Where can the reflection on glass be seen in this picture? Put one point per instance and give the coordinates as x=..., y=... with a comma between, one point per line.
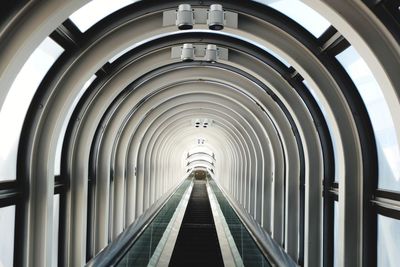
x=330, y=128
x=336, y=234
x=95, y=10
x=388, y=242
x=382, y=122
x=17, y=102
x=7, y=219
x=301, y=13
x=57, y=162
x=56, y=214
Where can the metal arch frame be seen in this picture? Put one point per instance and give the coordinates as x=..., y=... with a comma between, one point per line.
x=251, y=136
x=240, y=151
x=165, y=127
x=378, y=47
x=261, y=71
x=197, y=161
x=373, y=41
x=160, y=139
x=232, y=135
x=250, y=154
x=200, y=154
x=171, y=154
x=204, y=164
x=195, y=149
x=79, y=153
x=35, y=21
x=223, y=128
x=232, y=153
x=354, y=187
x=256, y=68
x=321, y=124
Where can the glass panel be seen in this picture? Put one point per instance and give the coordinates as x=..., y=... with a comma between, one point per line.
x=382, y=122
x=18, y=100
x=301, y=13
x=142, y=250
x=95, y=10
x=330, y=127
x=7, y=222
x=56, y=214
x=248, y=249
x=388, y=242
x=336, y=234
x=57, y=162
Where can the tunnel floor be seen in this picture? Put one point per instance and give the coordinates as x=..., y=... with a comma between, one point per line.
x=197, y=243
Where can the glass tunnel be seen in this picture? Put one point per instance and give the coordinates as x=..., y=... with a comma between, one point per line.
x=200, y=133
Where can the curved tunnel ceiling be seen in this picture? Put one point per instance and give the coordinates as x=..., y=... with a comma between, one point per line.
x=277, y=119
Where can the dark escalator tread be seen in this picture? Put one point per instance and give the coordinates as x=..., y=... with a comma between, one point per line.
x=197, y=243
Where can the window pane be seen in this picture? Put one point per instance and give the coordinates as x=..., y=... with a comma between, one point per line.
x=336, y=234
x=57, y=162
x=56, y=214
x=301, y=13
x=388, y=242
x=18, y=100
x=94, y=11
x=7, y=222
x=382, y=122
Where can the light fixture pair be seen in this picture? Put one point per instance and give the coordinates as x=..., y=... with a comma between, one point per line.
x=188, y=53
x=215, y=18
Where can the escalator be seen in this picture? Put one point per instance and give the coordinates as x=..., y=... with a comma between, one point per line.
x=197, y=243
x=183, y=233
